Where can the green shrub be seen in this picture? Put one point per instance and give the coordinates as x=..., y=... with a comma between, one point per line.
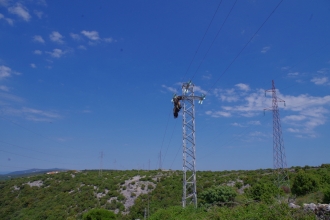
x=326, y=198
x=238, y=185
x=217, y=195
x=99, y=214
x=304, y=183
x=263, y=192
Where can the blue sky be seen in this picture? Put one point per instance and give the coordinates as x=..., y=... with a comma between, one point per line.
x=78, y=78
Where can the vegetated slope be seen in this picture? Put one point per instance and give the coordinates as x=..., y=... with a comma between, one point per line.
x=67, y=195
x=134, y=194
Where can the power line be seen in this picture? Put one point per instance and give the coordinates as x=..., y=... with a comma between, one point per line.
x=14, y=145
x=231, y=63
x=40, y=135
x=200, y=43
x=216, y=36
x=34, y=157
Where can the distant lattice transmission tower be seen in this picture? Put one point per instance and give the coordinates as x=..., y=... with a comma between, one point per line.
x=279, y=159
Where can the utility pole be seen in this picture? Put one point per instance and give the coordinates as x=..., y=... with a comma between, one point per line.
x=160, y=159
x=101, y=164
x=188, y=143
x=279, y=159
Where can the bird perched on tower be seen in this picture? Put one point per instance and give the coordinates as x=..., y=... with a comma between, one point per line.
x=177, y=105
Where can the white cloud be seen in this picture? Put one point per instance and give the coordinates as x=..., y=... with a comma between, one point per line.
x=33, y=65
x=217, y=114
x=9, y=21
x=319, y=80
x=57, y=53
x=9, y=97
x=293, y=74
x=306, y=112
x=265, y=49
x=243, y=87
x=323, y=71
x=254, y=123
x=39, y=52
x=39, y=14
x=82, y=47
x=228, y=95
x=6, y=72
x=92, y=35
x=207, y=76
x=33, y=114
x=294, y=130
x=75, y=36
x=4, y=2
x=108, y=40
x=38, y=38
x=171, y=89
x=20, y=11
x=55, y=36
x=237, y=124
x=198, y=89
x=4, y=88
x=294, y=118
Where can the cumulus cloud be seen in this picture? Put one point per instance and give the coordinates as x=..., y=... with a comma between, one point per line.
x=39, y=52
x=21, y=11
x=33, y=65
x=38, y=38
x=254, y=123
x=82, y=47
x=108, y=40
x=4, y=88
x=207, y=76
x=198, y=89
x=92, y=35
x=4, y=2
x=320, y=80
x=228, y=95
x=6, y=72
x=171, y=89
x=55, y=36
x=33, y=114
x=237, y=124
x=293, y=74
x=294, y=118
x=305, y=112
x=265, y=49
x=243, y=87
x=217, y=114
x=57, y=53
x=323, y=71
x=39, y=14
x=9, y=21
x=75, y=36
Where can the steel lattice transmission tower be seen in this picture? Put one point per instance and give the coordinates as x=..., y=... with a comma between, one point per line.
x=279, y=159
x=188, y=143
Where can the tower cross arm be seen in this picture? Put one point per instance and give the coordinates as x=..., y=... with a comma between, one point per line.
x=199, y=98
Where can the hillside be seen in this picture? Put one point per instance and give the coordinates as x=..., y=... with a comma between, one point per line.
x=131, y=194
